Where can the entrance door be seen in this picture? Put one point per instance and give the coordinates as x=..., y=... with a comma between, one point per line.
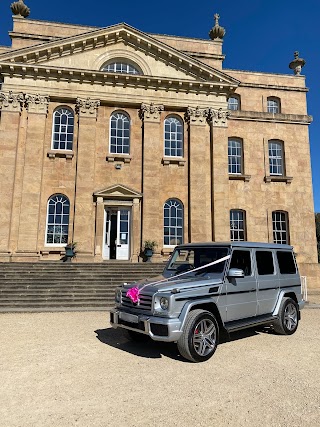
x=117, y=234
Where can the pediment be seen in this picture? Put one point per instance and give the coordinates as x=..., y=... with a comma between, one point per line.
x=86, y=53
x=118, y=191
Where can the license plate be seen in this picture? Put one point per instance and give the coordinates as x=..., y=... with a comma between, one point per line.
x=128, y=317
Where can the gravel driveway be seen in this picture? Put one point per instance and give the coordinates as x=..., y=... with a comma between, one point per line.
x=72, y=369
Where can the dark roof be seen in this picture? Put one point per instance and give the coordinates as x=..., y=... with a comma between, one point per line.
x=238, y=244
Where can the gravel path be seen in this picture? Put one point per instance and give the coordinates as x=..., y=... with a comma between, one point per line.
x=71, y=369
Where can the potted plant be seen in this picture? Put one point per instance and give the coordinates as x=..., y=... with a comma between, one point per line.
x=148, y=249
x=70, y=251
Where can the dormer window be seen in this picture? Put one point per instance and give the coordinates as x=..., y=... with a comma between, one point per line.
x=121, y=67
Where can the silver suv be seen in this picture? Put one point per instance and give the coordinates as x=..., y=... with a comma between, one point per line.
x=208, y=288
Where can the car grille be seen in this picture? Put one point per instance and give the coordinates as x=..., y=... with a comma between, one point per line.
x=145, y=303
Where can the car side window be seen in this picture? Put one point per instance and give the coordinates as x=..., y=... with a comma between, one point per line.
x=264, y=262
x=242, y=260
x=286, y=262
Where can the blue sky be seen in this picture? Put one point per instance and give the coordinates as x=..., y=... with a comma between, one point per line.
x=261, y=35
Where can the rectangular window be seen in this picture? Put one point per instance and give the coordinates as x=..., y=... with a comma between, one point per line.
x=242, y=260
x=264, y=261
x=276, y=158
x=280, y=227
x=237, y=225
x=235, y=156
x=286, y=262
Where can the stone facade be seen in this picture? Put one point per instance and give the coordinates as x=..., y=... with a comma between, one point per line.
x=52, y=66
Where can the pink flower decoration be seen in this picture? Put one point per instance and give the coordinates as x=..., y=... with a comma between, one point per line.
x=133, y=294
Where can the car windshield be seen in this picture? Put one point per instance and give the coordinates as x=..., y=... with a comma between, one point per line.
x=187, y=259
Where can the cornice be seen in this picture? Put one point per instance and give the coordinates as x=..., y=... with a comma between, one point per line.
x=106, y=36
x=274, y=87
x=77, y=75
x=270, y=117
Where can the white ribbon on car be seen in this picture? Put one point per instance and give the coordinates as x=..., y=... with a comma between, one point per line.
x=133, y=293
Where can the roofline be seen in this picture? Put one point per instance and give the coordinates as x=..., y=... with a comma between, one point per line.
x=243, y=244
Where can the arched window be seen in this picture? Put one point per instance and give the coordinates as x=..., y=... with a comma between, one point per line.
x=120, y=133
x=58, y=220
x=173, y=222
x=273, y=104
x=62, y=129
x=173, y=137
x=238, y=225
x=234, y=103
x=235, y=156
x=276, y=157
x=120, y=66
x=280, y=227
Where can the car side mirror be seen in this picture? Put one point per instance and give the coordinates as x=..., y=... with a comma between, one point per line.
x=235, y=273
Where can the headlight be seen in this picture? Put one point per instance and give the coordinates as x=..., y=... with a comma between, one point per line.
x=164, y=303
x=118, y=295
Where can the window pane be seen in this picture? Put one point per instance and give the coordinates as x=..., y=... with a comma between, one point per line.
x=173, y=222
x=173, y=137
x=58, y=214
x=242, y=260
x=264, y=262
x=286, y=262
x=237, y=226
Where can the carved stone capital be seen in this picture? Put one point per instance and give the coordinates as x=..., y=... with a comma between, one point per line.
x=37, y=103
x=218, y=117
x=11, y=101
x=87, y=107
x=151, y=112
x=196, y=116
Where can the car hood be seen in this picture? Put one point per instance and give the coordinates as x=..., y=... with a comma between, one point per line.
x=152, y=284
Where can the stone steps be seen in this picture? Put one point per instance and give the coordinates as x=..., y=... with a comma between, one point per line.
x=75, y=286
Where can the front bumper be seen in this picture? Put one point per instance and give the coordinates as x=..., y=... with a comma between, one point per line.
x=158, y=328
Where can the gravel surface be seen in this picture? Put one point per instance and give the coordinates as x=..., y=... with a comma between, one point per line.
x=72, y=369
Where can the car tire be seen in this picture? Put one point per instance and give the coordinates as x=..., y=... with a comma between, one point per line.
x=200, y=336
x=137, y=337
x=288, y=320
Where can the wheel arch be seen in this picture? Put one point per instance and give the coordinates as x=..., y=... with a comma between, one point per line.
x=203, y=305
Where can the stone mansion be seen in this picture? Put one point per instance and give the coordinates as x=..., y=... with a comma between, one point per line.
x=113, y=136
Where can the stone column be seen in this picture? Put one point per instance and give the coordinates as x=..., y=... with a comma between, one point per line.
x=200, y=224
x=37, y=108
x=220, y=176
x=10, y=107
x=84, y=223
x=99, y=228
x=152, y=153
x=136, y=230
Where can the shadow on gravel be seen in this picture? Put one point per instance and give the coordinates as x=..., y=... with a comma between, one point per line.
x=119, y=339
x=149, y=349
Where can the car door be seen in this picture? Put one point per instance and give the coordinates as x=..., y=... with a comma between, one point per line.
x=241, y=292
x=268, y=281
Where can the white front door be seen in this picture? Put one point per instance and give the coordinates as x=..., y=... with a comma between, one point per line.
x=116, y=242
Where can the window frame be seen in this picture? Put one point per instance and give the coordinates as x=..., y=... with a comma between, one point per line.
x=122, y=137
x=121, y=63
x=54, y=223
x=238, y=230
x=54, y=132
x=240, y=157
x=234, y=104
x=281, y=230
x=271, y=108
x=171, y=140
x=274, y=163
x=177, y=227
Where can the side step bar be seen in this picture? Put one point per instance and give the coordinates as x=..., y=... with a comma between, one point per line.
x=237, y=325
